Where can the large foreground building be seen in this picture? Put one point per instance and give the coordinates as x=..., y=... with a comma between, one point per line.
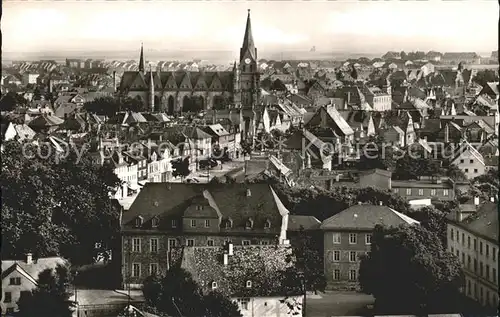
x=181, y=91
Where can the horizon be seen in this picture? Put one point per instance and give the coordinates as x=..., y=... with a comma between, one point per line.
x=95, y=26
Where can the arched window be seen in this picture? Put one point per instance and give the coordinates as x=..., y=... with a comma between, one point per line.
x=138, y=221
x=249, y=284
x=267, y=224
x=229, y=223
x=214, y=285
x=155, y=222
x=249, y=224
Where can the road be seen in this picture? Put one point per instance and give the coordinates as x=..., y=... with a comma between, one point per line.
x=337, y=304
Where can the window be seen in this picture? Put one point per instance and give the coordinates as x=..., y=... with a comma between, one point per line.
x=452, y=234
x=475, y=170
x=352, y=275
x=471, y=161
x=174, y=223
x=15, y=281
x=155, y=222
x=420, y=192
x=136, y=245
x=172, y=243
x=368, y=239
x=246, y=242
x=190, y=242
x=396, y=190
x=494, y=273
x=214, y=285
x=468, y=261
x=433, y=192
x=468, y=287
x=467, y=170
x=10, y=310
x=494, y=254
x=475, y=266
x=336, y=238
x=336, y=256
x=7, y=297
x=463, y=238
x=207, y=223
x=138, y=221
x=481, y=269
x=468, y=242
x=353, y=238
x=153, y=268
x=480, y=247
x=463, y=258
x=229, y=223
x=193, y=223
x=136, y=269
x=249, y=284
x=210, y=243
x=445, y=192
x=352, y=256
x=154, y=245
x=458, y=253
x=475, y=245
x=487, y=250
x=408, y=191
x=264, y=242
x=336, y=274
x=244, y=303
x=487, y=272
x=267, y=224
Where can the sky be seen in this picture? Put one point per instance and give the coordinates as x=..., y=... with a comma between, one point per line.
x=345, y=26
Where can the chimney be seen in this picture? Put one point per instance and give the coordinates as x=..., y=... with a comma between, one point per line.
x=492, y=199
x=249, y=192
x=380, y=203
x=337, y=178
x=348, y=97
x=29, y=258
x=226, y=258
x=360, y=203
x=114, y=81
x=476, y=201
x=230, y=248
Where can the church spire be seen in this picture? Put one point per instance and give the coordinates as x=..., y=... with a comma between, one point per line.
x=248, y=44
x=151, y=90
x=141, y=60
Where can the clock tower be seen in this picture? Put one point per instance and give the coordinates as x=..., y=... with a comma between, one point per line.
x=249, y=72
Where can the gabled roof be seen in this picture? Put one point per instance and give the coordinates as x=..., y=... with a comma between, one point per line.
x=366, y=217
x=298, y=222
x=171, y=200
x=216, y=129
x=467, y=147
x=339, y=120
x=484, y=222
x=45, y=120
x=31, y=271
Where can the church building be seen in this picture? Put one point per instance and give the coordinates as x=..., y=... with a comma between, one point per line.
x=183, y=91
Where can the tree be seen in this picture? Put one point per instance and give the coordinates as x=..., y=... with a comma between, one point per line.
x=455, y=173
x=433, y=220
x=107, y=106
x=246, y=146
x=379, y=155
x=178, y=294
x=11, y=101
x=50, y=205
x=403, y=55
x=485, y=76
x=309, y=261
x=50, y=297
x=180, y=168
x=414, y=164
x=409, y=271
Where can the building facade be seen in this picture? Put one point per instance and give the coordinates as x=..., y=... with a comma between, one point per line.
x=347, y=237
x=196, y=215
x=184, y=91
x=474, y=240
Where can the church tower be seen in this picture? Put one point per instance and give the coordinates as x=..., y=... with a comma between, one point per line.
x=249, y=75
x=141, y=60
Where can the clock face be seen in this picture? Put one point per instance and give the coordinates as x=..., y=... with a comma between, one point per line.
x=247, y=61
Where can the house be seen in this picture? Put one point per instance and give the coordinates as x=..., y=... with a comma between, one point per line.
x=394, y=135
x=328, y=117
x=132, y=158
x=19, y=276
x=250, y=275
x=474, y=241
x=13, y=131
x=226, y=143
x=347, y=237
x=378, y=99
x=166, y=215
x=455, y=58
x=441, y=189
x=469, y=160
x=45, y=123
x=490, y=89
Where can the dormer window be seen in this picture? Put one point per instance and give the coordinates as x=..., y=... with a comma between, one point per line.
x=138, y=221
x=229, y=223
x=267, y=224
x=249, y=224
x=199, y=207
x=155, y=222
x=214, y=285
x=249, y=284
